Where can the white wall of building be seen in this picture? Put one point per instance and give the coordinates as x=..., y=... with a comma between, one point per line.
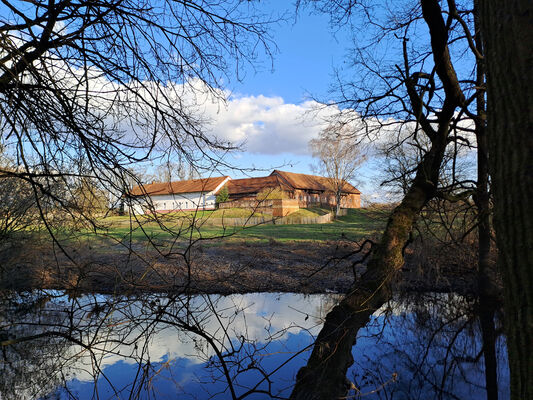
x=184, y=201
x=180, y=201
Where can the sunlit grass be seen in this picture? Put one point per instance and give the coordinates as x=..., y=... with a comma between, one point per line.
x=356, y=225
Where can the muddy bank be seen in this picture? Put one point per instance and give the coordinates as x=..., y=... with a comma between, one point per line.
x=231, y=268
x=303, y=267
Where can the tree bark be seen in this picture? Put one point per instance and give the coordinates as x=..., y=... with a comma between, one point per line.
x=507, y=35
x=486, y=287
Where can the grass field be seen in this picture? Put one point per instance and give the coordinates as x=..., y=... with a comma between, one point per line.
x=358, y=224
x=221, y=213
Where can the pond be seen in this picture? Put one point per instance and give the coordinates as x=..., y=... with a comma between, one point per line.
x=418, y=346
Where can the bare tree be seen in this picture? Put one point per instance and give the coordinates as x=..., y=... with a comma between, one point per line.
x=426, y=100
x=169, y=171
x=113, y=83
x=339, y=157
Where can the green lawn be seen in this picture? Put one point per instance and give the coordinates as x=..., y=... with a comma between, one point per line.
x=309, y=212
x=356, y=225
x=186, y=215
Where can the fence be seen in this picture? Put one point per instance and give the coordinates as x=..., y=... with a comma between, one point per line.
x=322, y=219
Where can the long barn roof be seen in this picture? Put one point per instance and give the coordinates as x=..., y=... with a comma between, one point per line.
x=311, y=182
x=277, y=179
x=189, y=186
x=255, y=185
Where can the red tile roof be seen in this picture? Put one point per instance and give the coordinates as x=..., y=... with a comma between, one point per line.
x=189, y=186
x=310, y=182
x=255, y=185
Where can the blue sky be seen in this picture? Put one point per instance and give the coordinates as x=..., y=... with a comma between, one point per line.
x=307, y=52
x=273, y=99
x=302, y=68
x=269, y=111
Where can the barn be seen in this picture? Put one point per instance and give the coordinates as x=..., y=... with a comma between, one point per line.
x=292, y=189
x=189, y=195
x=307, y=190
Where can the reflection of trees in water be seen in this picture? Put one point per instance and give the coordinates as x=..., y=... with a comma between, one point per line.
x=32, y=368
x=424, y=346
x=421, y=346
x=49, y=339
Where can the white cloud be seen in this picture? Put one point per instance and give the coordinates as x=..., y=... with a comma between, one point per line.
x=253, y=316
x=266, y=125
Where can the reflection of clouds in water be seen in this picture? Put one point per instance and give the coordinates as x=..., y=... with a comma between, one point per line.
x=428, y=340
x=435, y=303
x=257, y=317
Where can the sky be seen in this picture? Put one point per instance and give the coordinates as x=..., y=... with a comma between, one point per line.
x=271, y=109
x=272, y=112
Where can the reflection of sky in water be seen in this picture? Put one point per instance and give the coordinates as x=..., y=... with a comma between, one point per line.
x=434, y=349
x=180, y=361
x=431, y=345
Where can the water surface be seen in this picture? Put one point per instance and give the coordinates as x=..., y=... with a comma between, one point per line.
x=247, y=346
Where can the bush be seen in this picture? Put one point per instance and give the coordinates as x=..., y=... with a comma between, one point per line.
x=223, y=195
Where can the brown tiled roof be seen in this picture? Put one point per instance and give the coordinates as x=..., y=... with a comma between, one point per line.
x=189, y=186
x=310, y=182
x=255, y=185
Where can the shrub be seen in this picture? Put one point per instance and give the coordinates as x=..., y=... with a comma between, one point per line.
x=223, y=195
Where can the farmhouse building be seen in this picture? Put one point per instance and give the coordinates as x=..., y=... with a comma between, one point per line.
x=249, y=188
x=307, y=190
x=193, y=194
x=287, y=191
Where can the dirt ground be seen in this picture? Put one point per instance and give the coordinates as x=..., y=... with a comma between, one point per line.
x=231, y=268
x=303, y=267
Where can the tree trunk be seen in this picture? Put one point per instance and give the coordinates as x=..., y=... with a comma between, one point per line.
x=508, y=34
x=486, y=287
x=338, y=204
x=324, y=376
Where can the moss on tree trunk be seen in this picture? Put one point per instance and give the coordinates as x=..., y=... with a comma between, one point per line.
x=324, y=376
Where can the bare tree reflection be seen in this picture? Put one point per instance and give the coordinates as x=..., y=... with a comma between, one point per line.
x=424, y=346
x=50, y=341
x=152, y=346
